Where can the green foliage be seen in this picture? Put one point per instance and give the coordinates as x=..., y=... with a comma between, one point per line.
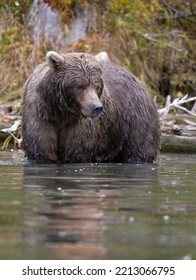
x=18, y=8
x=156, y=41
x=134, y=12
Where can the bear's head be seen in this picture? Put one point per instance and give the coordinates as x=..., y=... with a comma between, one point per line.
x=74, y=83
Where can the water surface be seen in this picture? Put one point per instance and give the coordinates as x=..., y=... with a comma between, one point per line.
x=98, y=211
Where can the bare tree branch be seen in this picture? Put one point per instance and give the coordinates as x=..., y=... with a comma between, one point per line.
x=176, y=104
x=11, y=130
x=150, y=38
x=178, y=14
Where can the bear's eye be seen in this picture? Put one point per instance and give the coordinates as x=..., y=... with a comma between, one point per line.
x=81, y=87
x=99, y=88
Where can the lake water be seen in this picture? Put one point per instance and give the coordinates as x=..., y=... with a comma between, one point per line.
x=98, y=211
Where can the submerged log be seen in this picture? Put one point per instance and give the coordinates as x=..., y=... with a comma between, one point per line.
x=178, y=144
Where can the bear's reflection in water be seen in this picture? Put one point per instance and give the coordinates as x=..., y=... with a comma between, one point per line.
x=68, y=208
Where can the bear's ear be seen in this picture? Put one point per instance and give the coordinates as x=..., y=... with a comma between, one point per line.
x=102, y=57
x=54, y=59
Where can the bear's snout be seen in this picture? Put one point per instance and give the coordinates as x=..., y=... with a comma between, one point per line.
x=93, y=109
x=96, y=109
x=91, y=105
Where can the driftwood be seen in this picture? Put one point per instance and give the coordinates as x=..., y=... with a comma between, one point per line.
x=178, y=131
x=177, y=104
x=14, y=133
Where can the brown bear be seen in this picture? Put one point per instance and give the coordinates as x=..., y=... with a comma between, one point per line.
x=79, y=107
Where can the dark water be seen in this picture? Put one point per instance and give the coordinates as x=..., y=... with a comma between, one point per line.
x=98, y=211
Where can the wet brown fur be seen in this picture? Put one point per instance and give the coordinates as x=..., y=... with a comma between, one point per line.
x=57, y=122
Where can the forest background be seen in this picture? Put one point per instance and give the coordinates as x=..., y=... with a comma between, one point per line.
x=154, y=39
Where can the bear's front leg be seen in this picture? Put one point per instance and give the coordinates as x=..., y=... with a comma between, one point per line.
x=40, y=141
